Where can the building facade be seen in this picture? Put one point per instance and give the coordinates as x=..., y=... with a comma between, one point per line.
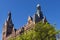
x=10, y=31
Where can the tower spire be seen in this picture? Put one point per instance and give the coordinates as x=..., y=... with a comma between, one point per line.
x=38, y=7
x=8, y=27
x=38, y=10
x=9, y=19
x=38, y=16
x=9, y=16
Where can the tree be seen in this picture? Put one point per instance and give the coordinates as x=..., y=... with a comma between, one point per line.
x=41, y=31
x=45, y=31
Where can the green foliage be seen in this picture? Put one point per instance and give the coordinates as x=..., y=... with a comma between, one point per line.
x=41, y=31
x=45, y=31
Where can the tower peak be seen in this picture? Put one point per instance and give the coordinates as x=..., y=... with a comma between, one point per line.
x=9, y=19
x=38, y=15
x=38, y=10
x=38, y=7
x=9, y=16
x=9, y=13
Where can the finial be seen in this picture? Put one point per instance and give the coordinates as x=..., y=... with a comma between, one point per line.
x=38, y=7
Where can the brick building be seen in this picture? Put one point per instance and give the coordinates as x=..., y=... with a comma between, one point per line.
x=10, y=31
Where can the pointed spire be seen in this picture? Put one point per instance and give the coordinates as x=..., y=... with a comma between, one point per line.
x=38, y=7
x=38, y=10
x=29, y=18
x=44, y=19
x=9, y=13
x=9, y=19
x=38, y=16
x=9, y=16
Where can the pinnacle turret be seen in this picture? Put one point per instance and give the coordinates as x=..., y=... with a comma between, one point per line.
x=30, y=19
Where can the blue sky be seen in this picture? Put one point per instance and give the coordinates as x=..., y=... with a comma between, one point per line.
x=21, y=9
